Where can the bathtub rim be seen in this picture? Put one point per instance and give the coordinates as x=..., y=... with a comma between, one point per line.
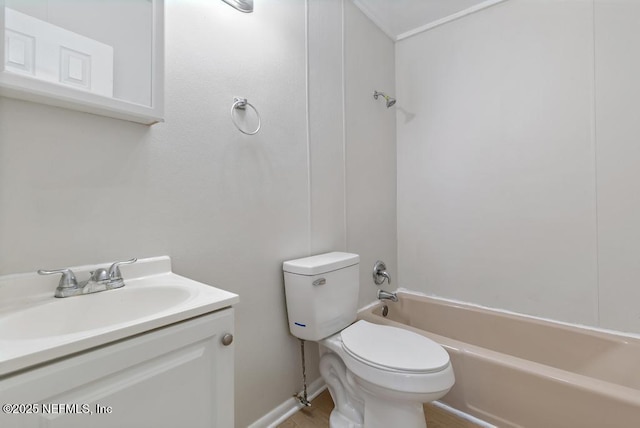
x=470, y=305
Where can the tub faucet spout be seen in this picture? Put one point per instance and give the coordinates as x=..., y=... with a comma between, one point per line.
x=386, y=295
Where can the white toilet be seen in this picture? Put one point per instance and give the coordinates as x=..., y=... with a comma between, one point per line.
x=378, y=375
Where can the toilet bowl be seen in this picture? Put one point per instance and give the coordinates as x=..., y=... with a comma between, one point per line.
x=378, y=376
x=387, y=374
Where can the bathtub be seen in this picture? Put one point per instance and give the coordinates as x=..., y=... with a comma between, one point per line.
x=518, y=371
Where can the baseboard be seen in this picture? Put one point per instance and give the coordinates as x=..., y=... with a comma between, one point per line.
x=288, y=408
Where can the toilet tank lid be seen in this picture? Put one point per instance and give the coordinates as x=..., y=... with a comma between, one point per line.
x=321, y=263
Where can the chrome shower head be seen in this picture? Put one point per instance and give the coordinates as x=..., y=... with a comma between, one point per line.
x=245, y=6
x=390, y=101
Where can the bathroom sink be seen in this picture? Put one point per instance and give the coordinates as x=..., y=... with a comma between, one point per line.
x=59, y=317
x=36, y=327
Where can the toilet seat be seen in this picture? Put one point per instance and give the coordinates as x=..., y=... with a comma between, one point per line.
x=393, y=359
x=393, y=349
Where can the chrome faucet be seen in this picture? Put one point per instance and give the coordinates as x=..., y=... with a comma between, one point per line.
x=380, y=273
x=386, y=295
x=101, y=279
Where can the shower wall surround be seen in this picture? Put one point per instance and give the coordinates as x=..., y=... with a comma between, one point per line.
x=370, y=149
x=228, y=208
x=517, y=160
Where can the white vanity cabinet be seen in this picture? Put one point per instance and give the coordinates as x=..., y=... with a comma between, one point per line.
x=178, y=376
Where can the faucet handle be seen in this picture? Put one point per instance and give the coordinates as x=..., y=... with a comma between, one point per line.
x=114, y=269
x=380, y=273
x=99, y=275
x=68, y=279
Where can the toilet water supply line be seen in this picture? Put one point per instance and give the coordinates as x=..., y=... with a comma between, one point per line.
x=302, y=397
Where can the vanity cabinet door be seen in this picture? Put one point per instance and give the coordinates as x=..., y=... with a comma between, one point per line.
x=177, y=376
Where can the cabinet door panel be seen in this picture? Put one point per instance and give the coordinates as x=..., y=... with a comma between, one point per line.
x=178, y=376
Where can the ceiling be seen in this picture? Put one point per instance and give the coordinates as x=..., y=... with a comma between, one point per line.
x=402, y=18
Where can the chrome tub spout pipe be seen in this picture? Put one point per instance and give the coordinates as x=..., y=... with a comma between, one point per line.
x=386, y=295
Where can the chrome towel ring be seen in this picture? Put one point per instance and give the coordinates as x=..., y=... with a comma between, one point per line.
x=241, y=104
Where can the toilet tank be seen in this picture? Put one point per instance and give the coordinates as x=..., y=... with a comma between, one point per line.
x=322, y=293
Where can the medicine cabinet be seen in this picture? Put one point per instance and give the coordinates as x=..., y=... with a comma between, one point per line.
x=95, y=56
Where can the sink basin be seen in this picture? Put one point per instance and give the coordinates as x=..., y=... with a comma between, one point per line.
x=59, y=317
x=36, y=327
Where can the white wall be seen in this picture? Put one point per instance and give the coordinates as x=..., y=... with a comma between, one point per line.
x=352, y=138
x=496, y=170
x=618, y=156
x=351, y=141
x=326, y=125
x=517, y=160
x=327, y=225
x=370, y=150
x=228, y=208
